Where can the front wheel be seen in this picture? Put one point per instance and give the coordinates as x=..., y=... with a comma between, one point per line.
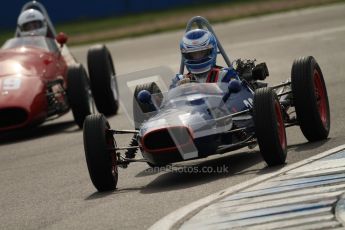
x=156, y=165
x=99, y=146
x=269, y=127
x=310, y=98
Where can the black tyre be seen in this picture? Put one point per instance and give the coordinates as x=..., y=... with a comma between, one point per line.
x=140, y=110
x=269, y=127
x=156, y=165
x=103, y=80
x=310, y=98
x=78, y=91
x=100, y=155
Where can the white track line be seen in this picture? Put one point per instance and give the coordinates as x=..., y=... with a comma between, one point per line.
x=176, y=218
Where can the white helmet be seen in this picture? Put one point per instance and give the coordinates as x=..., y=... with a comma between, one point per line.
x=32, y=23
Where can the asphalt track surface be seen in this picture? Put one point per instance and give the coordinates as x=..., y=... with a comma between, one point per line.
x=44, y=181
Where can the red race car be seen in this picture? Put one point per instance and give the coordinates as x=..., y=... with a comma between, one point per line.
x=40, y=79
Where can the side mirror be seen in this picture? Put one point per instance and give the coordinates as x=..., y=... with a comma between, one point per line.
x=234, y=86
x=144, y=97
x=61, y=38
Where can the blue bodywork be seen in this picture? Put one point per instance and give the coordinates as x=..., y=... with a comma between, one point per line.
x=199, y=108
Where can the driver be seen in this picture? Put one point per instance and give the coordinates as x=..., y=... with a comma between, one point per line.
x=199, y=53
x=32, y=23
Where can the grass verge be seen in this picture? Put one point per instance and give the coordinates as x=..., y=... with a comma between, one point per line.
x=84, y=32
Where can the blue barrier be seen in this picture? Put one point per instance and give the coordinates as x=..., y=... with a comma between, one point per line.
x=70, y=10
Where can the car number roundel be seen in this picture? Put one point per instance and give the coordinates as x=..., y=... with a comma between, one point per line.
x=11, y=83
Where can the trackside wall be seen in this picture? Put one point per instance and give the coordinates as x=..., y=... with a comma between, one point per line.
x=70, y=10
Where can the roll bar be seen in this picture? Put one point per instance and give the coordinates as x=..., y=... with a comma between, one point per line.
x=202, y=23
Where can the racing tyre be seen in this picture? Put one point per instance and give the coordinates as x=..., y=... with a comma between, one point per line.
x=100, y=155
x=269, y=126
x=156, y=165
x=140, y=110
x=78, y=91
x=103, y=80
x=310, y=98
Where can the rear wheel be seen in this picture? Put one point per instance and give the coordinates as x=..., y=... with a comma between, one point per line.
x=310, y=98
x=103, y=80
x=269, y=127
x=140, y=110
x=100, y=155
x=78, y=93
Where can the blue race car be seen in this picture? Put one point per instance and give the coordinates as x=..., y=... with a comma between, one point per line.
x=196, y=120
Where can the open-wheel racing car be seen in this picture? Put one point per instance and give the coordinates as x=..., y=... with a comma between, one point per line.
x=41, y=80
x=196, y=120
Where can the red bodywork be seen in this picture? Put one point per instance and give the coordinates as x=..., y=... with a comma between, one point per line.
x=24, y=74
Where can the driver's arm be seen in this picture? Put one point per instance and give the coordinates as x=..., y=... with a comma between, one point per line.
x=179, y=79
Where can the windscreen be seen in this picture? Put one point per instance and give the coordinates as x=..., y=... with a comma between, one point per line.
x=190, y=92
